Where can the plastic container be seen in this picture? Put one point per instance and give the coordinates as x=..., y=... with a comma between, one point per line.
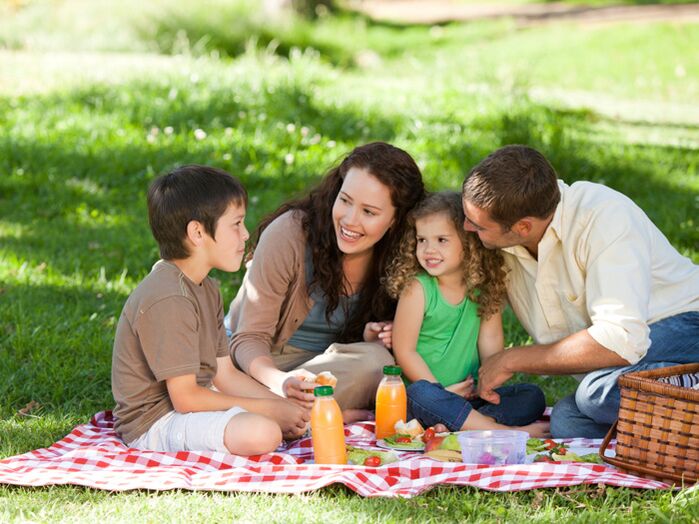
x=494, y=447
x=327, y=428
x=391, y=402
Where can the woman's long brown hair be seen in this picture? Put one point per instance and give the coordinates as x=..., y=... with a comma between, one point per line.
x=395, y=169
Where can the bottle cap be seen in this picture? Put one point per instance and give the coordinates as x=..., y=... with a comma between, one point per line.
x=323, y=391
x=391, y=370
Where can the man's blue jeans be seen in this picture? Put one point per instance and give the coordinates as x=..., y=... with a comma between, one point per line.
x=430, y=403
x=594, y=407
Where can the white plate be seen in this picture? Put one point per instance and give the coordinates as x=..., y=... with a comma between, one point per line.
x=381, y=443
x=577, y=450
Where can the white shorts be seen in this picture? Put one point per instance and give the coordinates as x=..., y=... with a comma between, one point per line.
x=200, y=431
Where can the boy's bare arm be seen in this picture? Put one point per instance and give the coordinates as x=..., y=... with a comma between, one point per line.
x=232, y=381
x=188, y=396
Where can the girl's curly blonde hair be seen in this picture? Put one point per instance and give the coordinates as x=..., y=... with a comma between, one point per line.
x=483, y=269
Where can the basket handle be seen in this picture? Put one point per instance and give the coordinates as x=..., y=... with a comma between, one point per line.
x=605, y=444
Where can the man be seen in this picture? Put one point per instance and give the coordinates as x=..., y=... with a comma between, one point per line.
x=596, y=285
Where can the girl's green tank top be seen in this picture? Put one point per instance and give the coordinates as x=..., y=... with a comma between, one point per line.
x=448, y=340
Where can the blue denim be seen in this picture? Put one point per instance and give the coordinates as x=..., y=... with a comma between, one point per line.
x=431, y=404
x=594, y=407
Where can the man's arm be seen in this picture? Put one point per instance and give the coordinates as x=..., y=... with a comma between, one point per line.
x=577, y=353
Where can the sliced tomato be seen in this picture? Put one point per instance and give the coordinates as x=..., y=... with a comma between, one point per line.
x=372, y=461
x=543, y=458
x=550, y=444
x=428, y=435
x=404, y=440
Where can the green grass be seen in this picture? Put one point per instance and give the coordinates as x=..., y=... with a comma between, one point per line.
x=89, y=117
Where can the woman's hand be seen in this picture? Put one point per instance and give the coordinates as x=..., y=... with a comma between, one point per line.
x=298, y=390
x=463, y=389
x=379, y=332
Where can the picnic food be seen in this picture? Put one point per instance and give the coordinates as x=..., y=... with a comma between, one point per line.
x=549, y=450
x=444, y=447
x=391, y=402
x=361, y=456
x=434, y=443
x=324, y=378
x=412, y=428
x=327, y=429
x=403, y=442
x=372, y=461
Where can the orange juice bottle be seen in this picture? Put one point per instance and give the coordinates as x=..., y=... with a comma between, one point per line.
x=327, y=430
x=391, y=402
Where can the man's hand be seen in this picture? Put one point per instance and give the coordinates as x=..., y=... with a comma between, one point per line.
x=463, y=389
x=379, y=331
x=492, y=374
x=298, y=390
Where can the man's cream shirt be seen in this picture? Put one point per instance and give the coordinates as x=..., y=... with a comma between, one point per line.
x=602, y=266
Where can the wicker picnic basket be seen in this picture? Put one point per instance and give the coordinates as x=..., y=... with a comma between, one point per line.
x=658, y=426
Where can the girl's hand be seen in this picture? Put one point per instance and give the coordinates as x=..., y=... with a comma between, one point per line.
x=463, y=389
x=379, y=332
x=298, y=390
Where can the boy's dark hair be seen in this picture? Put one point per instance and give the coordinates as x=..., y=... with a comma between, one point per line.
x=512, y=183
x=187, y=193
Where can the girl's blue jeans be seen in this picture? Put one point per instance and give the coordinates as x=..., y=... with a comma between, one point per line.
x=594, y=406
x=431, y=404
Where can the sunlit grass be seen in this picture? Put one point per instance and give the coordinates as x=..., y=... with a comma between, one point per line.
x=85, y=129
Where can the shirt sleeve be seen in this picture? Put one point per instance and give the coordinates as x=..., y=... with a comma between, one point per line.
x=259, y=305
x=222, y=344
x=169, y=335
x=618, y=284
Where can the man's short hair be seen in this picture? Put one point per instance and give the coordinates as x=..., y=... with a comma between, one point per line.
x=512, y=183
x=191, y=192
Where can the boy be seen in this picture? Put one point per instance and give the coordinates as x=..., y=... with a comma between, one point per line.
x=170, y=344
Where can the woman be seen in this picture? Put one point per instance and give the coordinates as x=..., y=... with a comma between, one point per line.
x=312, y=292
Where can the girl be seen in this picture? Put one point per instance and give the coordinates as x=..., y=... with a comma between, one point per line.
x=448, y=319
x=311, y=299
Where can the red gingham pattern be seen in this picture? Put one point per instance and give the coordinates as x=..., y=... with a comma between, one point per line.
x=92, y=455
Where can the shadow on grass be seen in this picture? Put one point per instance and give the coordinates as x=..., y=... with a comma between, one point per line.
x=56, y=347
x=56, y=339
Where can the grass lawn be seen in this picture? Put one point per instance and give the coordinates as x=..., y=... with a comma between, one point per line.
x=96, y=100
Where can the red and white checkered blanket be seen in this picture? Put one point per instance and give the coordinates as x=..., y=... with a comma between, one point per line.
x=92, y=455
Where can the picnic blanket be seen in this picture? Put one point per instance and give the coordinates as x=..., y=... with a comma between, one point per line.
x=92, y=455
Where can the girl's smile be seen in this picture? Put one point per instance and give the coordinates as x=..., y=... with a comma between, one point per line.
x=439, y=249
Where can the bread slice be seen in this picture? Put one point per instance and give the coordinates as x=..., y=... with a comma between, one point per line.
x=412, y=428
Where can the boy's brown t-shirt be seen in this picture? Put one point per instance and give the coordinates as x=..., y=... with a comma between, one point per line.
x=169, y=327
